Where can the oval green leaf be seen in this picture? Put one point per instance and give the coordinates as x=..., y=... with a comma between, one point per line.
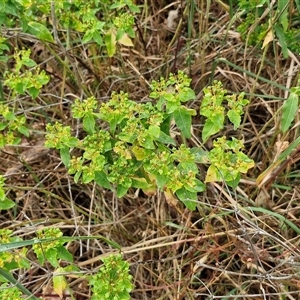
x=40, y=31
x=289, y=110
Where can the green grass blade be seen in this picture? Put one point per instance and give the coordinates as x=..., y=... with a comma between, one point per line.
x=13, y=281
x=276, y=215
x=282, y=87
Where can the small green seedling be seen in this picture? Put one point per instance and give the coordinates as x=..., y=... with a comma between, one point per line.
x=113, y=280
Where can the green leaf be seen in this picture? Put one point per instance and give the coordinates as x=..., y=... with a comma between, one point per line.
x=161, y=180
x=87, y=176
x=10, y=7
x=110, y=43
x=283, y=12
x=24, y=130
x=3, y=126
x=128, y=136
x=77, y=176
x=33, y=92
x=65, y=155
x=51, y=256
x=189, y=199
x=200, y=186
x=171, y=106
x=28, y=62
x=289, y=110
x=25, y=263
x=59, y=283
x=6, y=204
x=165, y=139
x=40, y=31
x=133, y=8
x=141, y=153
x=166, y=124
x=212, y=174
x=147, y=143
x=130, y=31
x=121, y=190
x=72, y=142
x=4, y=47
x=218, y=118
x=245, y=163
x=125, y=40
x=88, y=36
x=89, y=123
x=183, y=120
x=234, y=117
x=209, y=129
x=2, y=194
x=186, y=95
x=282, y=41
x=298, y=5
x=154, y=131
x=9, y=115
x=97, y=38
x=201, y=156
x=235, y=182
x=3, y=59
x=117, y=5
x=20, y=87
x=101, y=180
x=141, y=183
x=64, y=254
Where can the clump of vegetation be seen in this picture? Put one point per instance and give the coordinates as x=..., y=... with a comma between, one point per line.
x=138, y=149
x=264, y=21
x=113, y=280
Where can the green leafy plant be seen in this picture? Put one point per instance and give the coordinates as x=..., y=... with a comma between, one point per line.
x=11, y=126
x=113, y=280
x=51, y=251
x=106, y=23
x=227, y=161
x=47, y=247
x=3, y=48
x=139, y=149
x=5, y=203
x=21, y=81
x=25, y=78
x=12, y=257
x=10, y=292
x=280, y=22
x=213, y=108
x=289, y=108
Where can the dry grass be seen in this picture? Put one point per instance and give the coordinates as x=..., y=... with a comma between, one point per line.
x=233, y=246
